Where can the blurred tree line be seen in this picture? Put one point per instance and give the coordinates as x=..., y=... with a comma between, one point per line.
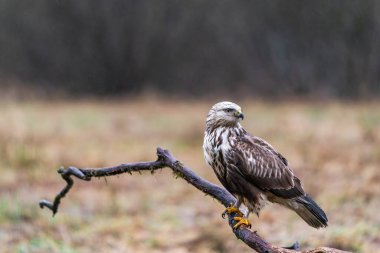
x=264, y=48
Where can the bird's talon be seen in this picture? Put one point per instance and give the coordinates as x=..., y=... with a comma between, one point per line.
x=232, y=209
x=241, y=221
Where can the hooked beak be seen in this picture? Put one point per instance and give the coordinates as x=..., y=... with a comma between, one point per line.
x=240, y=115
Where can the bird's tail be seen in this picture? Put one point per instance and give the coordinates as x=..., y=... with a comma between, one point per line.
x=309, y=211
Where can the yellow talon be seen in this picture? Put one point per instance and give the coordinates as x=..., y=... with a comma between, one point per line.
x=232, y=209
x=241, y=221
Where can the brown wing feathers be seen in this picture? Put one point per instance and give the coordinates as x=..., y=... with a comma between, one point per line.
x=293, y=192
x=265, y=168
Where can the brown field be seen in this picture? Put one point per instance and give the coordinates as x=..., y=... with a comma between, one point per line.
x=333, y=147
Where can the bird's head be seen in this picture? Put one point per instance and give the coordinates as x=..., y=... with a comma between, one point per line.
x=224, y=114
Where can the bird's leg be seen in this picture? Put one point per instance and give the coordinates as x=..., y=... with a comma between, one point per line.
x=242, y=220
x=233, y=208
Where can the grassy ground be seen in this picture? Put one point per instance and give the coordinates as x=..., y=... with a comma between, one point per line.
x=334, y=148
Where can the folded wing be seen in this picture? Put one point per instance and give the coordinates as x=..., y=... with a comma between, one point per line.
x=264, y=167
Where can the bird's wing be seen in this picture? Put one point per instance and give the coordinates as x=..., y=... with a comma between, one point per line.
x=263, y=143
x=258, y=162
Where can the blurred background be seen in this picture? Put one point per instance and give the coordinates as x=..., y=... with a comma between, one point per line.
x=99, y=83
x=193, y=48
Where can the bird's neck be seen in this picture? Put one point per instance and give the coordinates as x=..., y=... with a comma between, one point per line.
x=214, y=125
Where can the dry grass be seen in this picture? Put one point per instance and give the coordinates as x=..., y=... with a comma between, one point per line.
x=333, y=147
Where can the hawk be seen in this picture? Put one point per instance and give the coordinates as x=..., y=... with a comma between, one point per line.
x=252, y=170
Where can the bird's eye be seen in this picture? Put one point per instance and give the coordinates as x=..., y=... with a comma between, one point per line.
x=228, y=110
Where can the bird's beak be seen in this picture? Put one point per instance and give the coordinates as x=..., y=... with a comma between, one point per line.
x=240, y=115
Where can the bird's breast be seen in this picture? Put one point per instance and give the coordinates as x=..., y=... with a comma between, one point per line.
x=216, y=145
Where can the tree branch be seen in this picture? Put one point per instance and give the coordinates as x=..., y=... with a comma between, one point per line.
x=166, y=159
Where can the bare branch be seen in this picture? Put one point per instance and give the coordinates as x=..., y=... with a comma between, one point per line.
x=166, y=159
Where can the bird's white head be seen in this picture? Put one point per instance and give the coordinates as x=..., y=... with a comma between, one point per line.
x=225, y=114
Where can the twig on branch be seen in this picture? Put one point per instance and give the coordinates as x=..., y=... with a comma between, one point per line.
x=166, y=159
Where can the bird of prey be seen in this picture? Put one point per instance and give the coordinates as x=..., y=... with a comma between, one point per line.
x=252, y=170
